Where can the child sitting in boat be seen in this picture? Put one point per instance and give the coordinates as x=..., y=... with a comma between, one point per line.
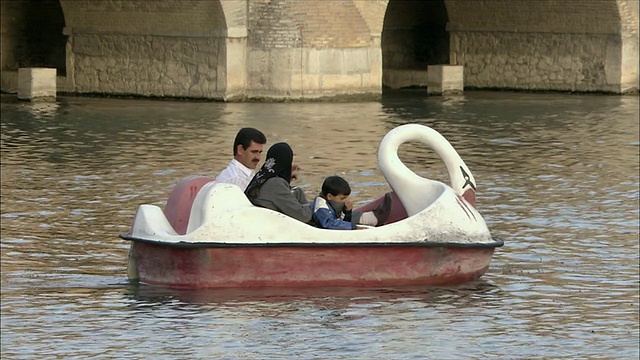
x=333, y=210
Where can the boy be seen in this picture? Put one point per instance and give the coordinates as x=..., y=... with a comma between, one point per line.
x=332, y=209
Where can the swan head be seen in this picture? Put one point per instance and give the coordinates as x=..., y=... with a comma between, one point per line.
x=405, y=182
x=463, y=183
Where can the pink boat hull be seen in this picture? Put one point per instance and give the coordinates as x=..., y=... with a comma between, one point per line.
x=285, y=266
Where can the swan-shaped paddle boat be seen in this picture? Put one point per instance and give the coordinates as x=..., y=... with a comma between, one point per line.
x=210, y=235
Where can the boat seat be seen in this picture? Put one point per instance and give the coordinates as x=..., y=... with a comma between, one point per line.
x=212, y=199
x=178, y=207
x=398, y=211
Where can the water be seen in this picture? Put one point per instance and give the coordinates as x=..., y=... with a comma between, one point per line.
x=557, y=176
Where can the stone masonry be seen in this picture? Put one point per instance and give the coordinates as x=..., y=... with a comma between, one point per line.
x=302, y=49
x=585, y=46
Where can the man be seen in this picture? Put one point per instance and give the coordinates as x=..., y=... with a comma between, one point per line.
x=247, y=150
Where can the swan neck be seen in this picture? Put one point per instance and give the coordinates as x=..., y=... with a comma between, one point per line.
x=394, y=170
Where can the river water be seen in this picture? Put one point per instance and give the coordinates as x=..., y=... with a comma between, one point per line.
x=557, y=176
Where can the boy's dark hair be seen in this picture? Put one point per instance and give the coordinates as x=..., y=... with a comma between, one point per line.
x=335, y=185
x=245, y=136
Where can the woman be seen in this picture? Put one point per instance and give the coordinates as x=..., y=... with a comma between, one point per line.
x=270, y=187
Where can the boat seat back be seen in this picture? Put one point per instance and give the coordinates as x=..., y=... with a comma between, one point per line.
x=178, y=207
x=226, y=196
x=398, y=211
x=427, y=194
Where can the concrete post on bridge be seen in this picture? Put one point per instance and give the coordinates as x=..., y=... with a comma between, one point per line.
x=36, y=84
x=445, y=79
x=234, y=79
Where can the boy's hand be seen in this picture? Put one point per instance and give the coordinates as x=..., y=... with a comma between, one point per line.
x=294, y=171
x=348, y=205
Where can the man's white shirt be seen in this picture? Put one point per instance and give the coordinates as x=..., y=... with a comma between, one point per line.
x=237, y=174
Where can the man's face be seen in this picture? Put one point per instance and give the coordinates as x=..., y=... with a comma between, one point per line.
x=249, y=157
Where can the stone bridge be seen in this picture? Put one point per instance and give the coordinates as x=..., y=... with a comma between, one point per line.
x=310, y=49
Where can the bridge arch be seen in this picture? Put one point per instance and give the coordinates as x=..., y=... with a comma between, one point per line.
x=32, y=36
x=414, y=36
x=152, y=48
x=563, y=45
x=226, y=49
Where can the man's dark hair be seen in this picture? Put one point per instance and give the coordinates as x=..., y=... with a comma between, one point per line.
x=246, y=136
x=335, y=185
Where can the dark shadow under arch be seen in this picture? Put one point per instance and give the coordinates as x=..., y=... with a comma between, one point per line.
x=32, y=35
x=414, y=36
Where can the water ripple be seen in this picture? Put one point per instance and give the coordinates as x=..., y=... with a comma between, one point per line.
x=557, y=179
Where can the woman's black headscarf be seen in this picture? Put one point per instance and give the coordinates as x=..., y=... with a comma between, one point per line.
x=278, y=163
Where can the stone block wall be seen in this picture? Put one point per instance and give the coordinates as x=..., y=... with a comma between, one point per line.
x=539, y=16
x=537, y=61
x=314, y=73
x=565, y=45
x=148, y=48
x=147, y=65
x=311, y=49
x=186, y=18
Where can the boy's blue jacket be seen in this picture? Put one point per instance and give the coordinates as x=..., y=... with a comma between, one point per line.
x=325, y=216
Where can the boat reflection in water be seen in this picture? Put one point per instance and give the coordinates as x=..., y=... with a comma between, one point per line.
x=336, y=298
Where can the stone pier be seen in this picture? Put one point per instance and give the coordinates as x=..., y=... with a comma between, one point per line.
x=445, y=79
x=36, y=84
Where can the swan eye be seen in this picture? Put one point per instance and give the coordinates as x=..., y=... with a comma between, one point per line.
x=467, y=179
